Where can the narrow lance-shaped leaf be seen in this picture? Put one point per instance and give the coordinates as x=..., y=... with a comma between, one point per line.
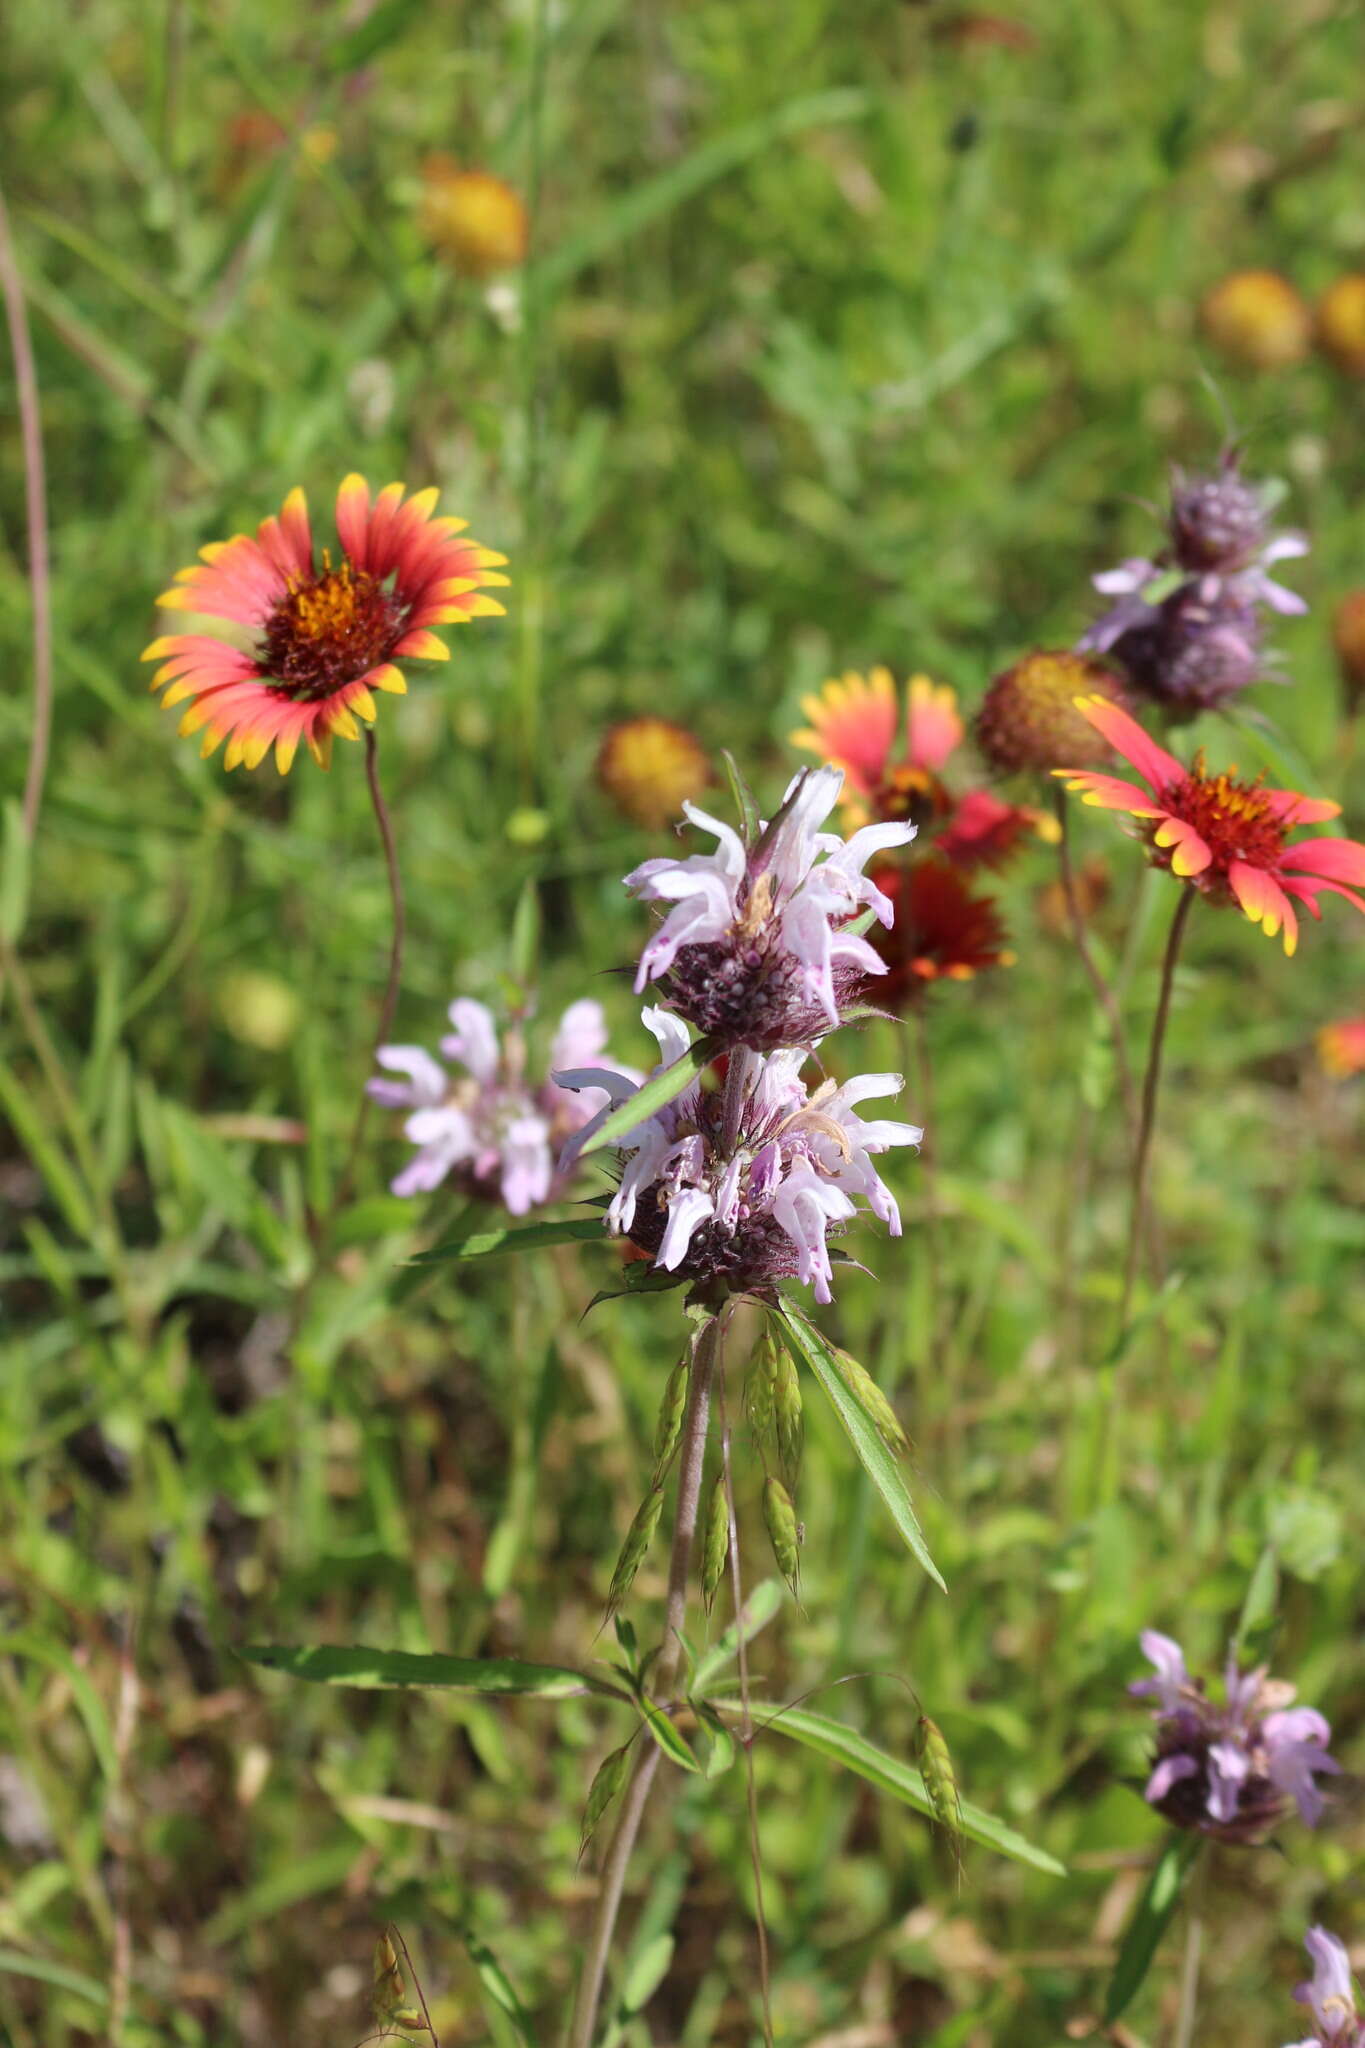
x=527, y=1237
x=806, y=1343
x=369, y=1670
x=1150, y=1920
x=745, y=801
x=654, y=1096
x=670, y=1740
x=843, y=1745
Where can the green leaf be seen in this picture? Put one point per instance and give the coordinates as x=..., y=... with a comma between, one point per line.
x=656, y=1093
x=647, y=1973
x=843, y=1745
x=529, y=1237
x=368, y=1670
x=807, y=1345
x=763, y=1603
x=673, y=1745
x=745, y=801
x=15, y=1963
x=498, y=1985
x=1150, y=1920
x=383, y=25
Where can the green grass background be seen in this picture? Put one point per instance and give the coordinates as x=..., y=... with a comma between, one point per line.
x=846, y=340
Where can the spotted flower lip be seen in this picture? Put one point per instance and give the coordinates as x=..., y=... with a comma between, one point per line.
x=756, y=948
x=1230, y=1769
x=326, y=636
x=854, y=723
x=1226, y=838
x=492, y=1130
x=732, y=1212
x=1330, y=1993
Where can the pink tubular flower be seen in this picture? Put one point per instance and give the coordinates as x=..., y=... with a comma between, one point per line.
x=1226, y=838
x=492, y=1130
x=756, y=948
x=325, y=638
x=1331, y=1994
x=734, y=1212
x=1230, y=1770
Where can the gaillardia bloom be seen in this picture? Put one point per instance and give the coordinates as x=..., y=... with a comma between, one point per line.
x=472, y=217
x=325, y=637
x=1341, y=1048
x=1226, y=838
x=649, y=767
x=855, y=723
x=1257, y=318
x=1230, y=1770
x=732, y=1211
x=757, y=949
x=492, y=1130
x=942, y=931
x=1331, y=1994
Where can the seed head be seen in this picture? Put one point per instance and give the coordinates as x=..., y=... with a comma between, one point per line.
x=715, y=1544
x=639, y=1536
x=672, y=1408
x=1341, y=324
x=779, y=1517
x=872, y=1401
x=1028, y=716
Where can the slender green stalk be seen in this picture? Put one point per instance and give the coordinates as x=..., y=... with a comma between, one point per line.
x=1189, y=1981
x=1147, y=1118
x=35, y=502
x=1104, y=993
x=691, y=1460
x=395, y=974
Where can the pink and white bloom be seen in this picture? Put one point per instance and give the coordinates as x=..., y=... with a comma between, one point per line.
x=489, y=1128
x=755, y=948
x=734, y=1209
x=1331, y=1994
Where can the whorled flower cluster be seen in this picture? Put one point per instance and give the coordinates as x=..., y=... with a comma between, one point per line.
x=1186, y=625
x=734, y=1188
x=1330, y=1994
x=490, y=1129
x=1230, y=1769
x=757, y=949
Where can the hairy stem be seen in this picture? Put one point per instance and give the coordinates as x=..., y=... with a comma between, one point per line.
x=35, y=496
x=691, y=1460
x=390, y=1003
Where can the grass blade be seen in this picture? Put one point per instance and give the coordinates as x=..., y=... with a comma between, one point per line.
x=370, y=1670
x=529, y=1237
x=1150, y=1920
x=657, y=1092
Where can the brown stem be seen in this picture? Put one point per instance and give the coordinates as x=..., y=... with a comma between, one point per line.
x=691, y=1460
x=746, y=1720
x=390, y=1003
x=1151, y=1083
x=1104, y=994
x=35, y=495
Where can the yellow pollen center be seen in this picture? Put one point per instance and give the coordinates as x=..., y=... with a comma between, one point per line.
x=328, y=608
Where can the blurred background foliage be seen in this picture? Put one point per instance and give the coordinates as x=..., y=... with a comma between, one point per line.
x=848, y=333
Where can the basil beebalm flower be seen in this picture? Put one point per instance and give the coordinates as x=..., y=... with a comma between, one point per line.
x=1331, y=1995
x=1233, y=1769
x=757, y=948
x=733, y=1189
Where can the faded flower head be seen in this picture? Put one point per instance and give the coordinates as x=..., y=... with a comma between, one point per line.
x=491, y=1128
x=756, y=948
x=854, y=722
x=325, y=636
x=475, y=220
x=1028, y=716
x=649, y=768
x=1225, y=837
x=1230, y=1769
x=943, y=930
x=1330, y=1992
x=1258, y=319
x=734, y=1189
x=1185, y=624
x=1341, y=323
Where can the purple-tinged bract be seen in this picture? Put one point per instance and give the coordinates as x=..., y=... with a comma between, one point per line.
x=491, y=1129
x=756, y=948
x=1230, y=1769
x=737, y=1188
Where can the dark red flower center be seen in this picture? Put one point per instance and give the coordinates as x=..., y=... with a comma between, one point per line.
x=1234, y=819
x=328, y=630
x=910, y=795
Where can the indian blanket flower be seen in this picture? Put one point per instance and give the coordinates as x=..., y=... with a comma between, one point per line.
x=1185, y=624
x=649, y=767
x=1227, y=838
x=855, y=723
x=1330, y=1993
x=1258, y=319
x=474, y=219
x=1341, y=1048
x=1230, y=1769
x=324, y=636
x=733, y=1189
x=491, y=1129
x=943, y=930
x=756, y=948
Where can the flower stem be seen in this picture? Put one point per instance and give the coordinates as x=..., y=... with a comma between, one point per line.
x=691, y=1460
x=1147, y=1119
x=1104, y=994
x=1189, y=1981
x=390, y=1003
